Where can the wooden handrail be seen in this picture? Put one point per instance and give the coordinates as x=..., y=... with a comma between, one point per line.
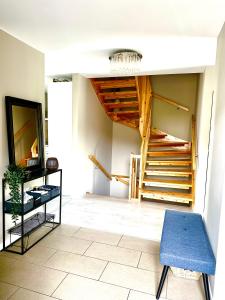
x=23, y=129
x=106, y=173
x=193, y=156
x=170, y=101
x=120, y=176
x=100, y=166
x=121, y=180
x=193, y=143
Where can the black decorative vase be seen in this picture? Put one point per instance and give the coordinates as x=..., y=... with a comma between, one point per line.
x=52, y=164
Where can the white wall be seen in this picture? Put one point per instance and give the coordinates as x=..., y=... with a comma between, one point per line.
x=125, y=141
x=214, y=212
x=92, y=134
x=60, y=129
x=21, y=76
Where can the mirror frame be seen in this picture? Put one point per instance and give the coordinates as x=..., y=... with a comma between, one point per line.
x=9, y=102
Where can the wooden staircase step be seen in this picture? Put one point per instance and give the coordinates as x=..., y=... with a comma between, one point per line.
x=166, y=196
x=179, y=184
x=120, y=83
x=118, y=95
x=167, y=144
x=169, y=153
x=168, y=172
x=123, y=112
x=157, y=136
x=121, y=104
x=169, y=162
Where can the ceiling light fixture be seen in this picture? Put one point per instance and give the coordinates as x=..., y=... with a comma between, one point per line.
x=125, y=61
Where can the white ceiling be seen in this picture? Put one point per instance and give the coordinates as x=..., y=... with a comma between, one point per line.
x=77, y=36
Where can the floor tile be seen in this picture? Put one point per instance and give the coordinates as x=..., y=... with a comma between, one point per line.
x=37, y=255
x=6, y=290
x=140, y=244
x=22, y=294
x=77, y=264
x=150, y=262
x=33, y=238
x=134, y=295
x=30, y=276
x=133, y=278
x=185, y=289
x=98, y=236
x=114, y=254
x=65, y=243
x=75, y=287
x=65, y=229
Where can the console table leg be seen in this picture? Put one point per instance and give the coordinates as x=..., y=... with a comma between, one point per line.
x=162, y=280
x=206, y=286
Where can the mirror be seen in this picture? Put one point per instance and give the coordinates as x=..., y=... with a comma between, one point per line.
x=25, y=133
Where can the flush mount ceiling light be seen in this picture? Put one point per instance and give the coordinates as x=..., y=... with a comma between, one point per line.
x=125, y=61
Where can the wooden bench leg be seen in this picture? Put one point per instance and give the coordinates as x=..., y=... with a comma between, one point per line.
x=206, y=286
x=162, y=280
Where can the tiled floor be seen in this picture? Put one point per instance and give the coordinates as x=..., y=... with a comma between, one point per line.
x=81, y=263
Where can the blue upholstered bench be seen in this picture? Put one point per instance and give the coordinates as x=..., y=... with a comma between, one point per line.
x=185, y=244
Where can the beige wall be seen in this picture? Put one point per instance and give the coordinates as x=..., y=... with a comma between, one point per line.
x=125, y=141
x=183, y=89
x=203, y=115
x=22, y=76
x=212, y=88
x=92, y=134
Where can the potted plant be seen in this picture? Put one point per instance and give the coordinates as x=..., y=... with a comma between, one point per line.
x=14, y=176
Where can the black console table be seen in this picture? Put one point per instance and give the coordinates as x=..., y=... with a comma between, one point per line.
x=29, y=223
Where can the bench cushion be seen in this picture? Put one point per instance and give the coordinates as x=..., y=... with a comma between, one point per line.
x=185, y=243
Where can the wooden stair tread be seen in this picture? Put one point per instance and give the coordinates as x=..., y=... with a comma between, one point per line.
x=169, y=153
x=172, y=170
x=118, y=83
x=167, y=144
x=118, y=95
x=180, y=184
x=121, y=104
x=157, y=135
x=168, y=162
x=169, y=173
x=166, y=194
x=123, y=112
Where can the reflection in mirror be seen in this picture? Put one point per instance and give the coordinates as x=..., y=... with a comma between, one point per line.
x=25, y=135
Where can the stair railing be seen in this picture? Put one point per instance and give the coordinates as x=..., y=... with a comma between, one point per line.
x=193, y=156
x=100, y=166
x=120, y=178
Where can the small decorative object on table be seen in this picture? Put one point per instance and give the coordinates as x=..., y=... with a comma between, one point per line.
x=52, y=164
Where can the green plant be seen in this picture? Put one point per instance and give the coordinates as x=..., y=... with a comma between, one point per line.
x=14, y=176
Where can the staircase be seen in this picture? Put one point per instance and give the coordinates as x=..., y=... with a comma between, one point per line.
x=167, y=164
x=168, y=169
x=119, y=98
